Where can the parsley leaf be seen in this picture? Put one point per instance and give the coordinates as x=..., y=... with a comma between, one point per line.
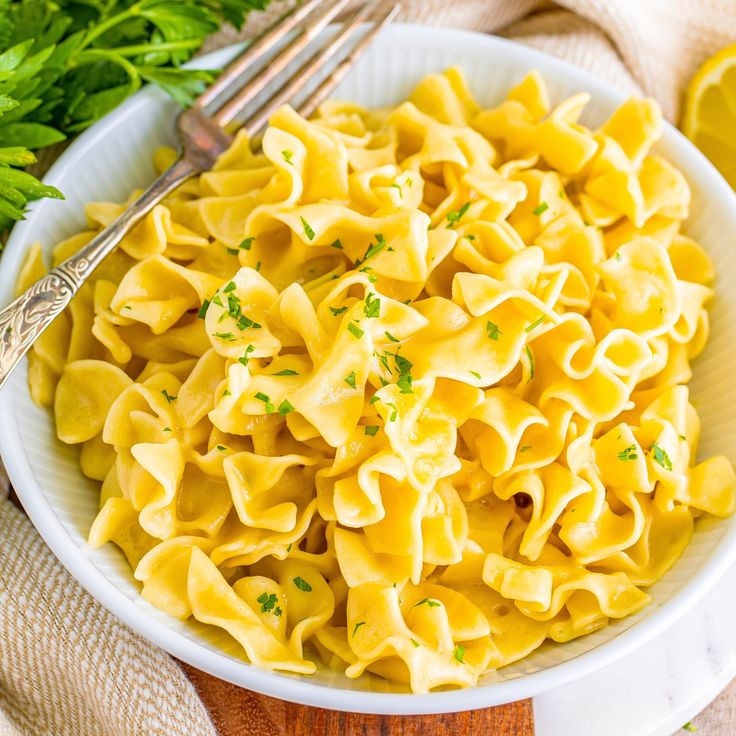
x=270, y=408
x=286, y=372
x=454, y=216
x=307, y=229
x=350, y=379
x=373, y=249
x=540, y=209
x=460, y=653
x=169, y=398
x=628, y=453
x=372, y=306
x=661, y=457
x=493, y=331
x=357, y=626
x=534, y=324
x=338, y=310
x=284, y=407
x=268, y=603
x=355, y=331
x=371, y=430
x=287, y=156
x=203, y=309
x=302, y=584
x=429, y=601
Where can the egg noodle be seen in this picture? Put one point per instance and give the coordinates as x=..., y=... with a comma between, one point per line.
x=405, y=392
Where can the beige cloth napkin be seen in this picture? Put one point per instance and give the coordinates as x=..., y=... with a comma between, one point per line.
x=67, y=667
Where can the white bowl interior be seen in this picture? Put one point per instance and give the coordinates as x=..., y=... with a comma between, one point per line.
x=115, y=156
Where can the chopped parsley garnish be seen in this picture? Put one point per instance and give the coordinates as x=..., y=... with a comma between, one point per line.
x=460, y=653
x=307, y=229
x=391, y=337
x=221, y=448
x=372, y=306
x=227, y=392
x=167, y=429
x=232, y=251
x=284, y=407
x=226, y=336
x=246, y=244
x=243, y=359
x=404, y=383
x=169, y=398
x=288, y=548
x=336, y=244
x=404, y=367
x=469, y=236
x=628, y=453
x=357, y=626
x=373, y=249
x=355, y=331
x=268, y=603
x=414, y=642
x=372, y=429
x=619, y=257
x=661, y=457
x=531, y=363
x=534, y=324
x=493, y=331
x=475, y=374
x=398, y=186
x=374, y=399
x=287, y=156
x=229, y=287
x=394, y=413
x=258, y=266
x=431, y=603
x=338, y=310
x=203, y=309
x=244, y=323
x=541, y=208
x=689, y=727
x=350, y=379
x=682, y=437
x=216, y=300
x=302, y=584
x=454, y=216
x=286, y=372
x=526, y=448
x=270, y=408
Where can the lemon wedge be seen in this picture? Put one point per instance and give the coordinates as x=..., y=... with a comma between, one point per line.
x=709, y=117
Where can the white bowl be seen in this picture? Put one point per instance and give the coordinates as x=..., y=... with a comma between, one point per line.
x=114, y=156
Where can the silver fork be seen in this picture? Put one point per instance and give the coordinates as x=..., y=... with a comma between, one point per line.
x=204, y=133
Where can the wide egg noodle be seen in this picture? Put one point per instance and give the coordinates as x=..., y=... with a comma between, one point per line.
x=405, y=391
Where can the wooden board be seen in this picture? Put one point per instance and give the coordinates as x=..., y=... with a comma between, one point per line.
x=239, y=712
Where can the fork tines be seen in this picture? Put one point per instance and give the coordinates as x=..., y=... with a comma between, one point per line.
x=227, y=101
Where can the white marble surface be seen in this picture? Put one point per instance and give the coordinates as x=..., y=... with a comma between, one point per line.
x=657, y=689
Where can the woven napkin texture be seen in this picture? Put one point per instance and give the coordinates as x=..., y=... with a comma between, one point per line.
x=67, y=666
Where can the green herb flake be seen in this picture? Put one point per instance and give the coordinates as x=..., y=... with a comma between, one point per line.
x=337, y=244
x=493, y=331
x=286, y=372
x=689, y=727
x=307, y=229
x=374, y=399
x=302, y=584
x=169, y=398
x=226, y=336
x=243, y=359
x=372, y=306
x=540, y=209
x=526, y=448
x=371, y=430
x=227, y=392
x=414, y=642
x=350, y=379
x=355, y=331
x=229, y=287
x=270, y=408
x=167, y=429
x=357, y=626
x=469, y=237
x=394, y=413
x=429, y=601
x=475, y=374
x=373, y=249
x=287, y=155
x=536, y=323
x=285, y=408
x=661, y=457
x=460, y=653
x=391, y=337
x=232, y=251
x=221, y=448
x=530, y=357
x=454, y=216
x=245, y=323
x=628, y=453
x=246, y=244
x=216, y=300
x=398, y=187
x=203, y=309
x=338, y=310
x=268, y=603
x=619, y=257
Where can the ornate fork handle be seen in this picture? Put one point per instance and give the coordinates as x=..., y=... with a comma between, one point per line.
x=25, y=318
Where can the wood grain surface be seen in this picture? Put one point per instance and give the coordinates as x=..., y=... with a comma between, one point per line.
x=239, y=712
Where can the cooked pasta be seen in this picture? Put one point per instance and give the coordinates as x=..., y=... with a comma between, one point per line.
x=404, y=392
